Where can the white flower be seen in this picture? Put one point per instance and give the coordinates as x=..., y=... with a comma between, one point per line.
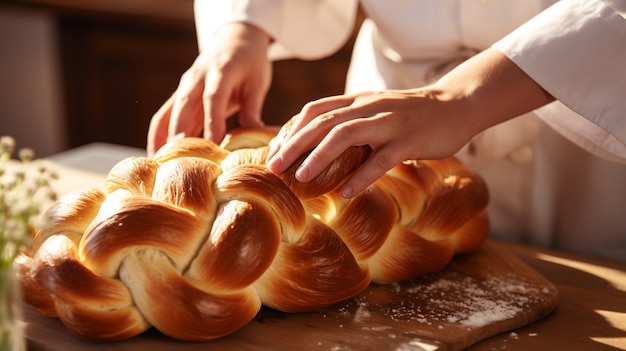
x=22, y=193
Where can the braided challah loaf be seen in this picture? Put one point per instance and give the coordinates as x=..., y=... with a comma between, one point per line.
x=194, y=240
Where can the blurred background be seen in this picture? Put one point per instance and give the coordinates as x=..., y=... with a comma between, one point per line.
x=73, y=72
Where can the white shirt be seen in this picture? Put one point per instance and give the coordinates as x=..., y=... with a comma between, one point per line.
x=544, y=189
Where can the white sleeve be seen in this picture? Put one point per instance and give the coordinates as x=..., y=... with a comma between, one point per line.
x=576, y=50
x=306, y=29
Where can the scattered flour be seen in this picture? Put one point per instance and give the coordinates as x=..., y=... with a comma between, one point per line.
x=451, y=298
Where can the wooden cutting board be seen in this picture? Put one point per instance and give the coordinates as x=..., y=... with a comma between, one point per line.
x=475, y=297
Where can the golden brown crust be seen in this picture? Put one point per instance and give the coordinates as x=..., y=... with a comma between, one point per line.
x=365, y=221
x=178, y=308
x=36, y=295
x=91, y=305
x=187, y=183
x=406, y=255
x=69, y=216
x=134, y=174
x=304, y=274
x=242, y=138
x=256, y=182
x=190, y=147
x=195, y=240
x=330, y=178
x=130, y=223
x=240, y=227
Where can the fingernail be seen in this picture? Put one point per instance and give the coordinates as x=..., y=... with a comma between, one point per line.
x=346, y=192
x=175, y=137
x=302, y=174
x=272, y=151
x=274, y=164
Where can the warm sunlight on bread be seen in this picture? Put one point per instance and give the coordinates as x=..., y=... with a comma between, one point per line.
x=194, y=240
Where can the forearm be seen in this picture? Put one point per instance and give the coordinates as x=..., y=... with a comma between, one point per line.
x=489, y=89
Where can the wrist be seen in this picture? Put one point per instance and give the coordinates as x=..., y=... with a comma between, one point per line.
x=489, y=89
x=245, y=31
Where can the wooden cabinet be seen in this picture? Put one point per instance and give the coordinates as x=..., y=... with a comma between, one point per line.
x=120, y=60
x=118, y=73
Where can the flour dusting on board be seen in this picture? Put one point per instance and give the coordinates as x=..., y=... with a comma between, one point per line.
x=449, y=298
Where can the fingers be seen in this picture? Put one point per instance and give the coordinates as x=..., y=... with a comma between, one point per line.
x=204, y=101
x=314, y=112
x=355, y=132
x=308, y=130
x=363, y=131
x=329, y=148
x=186, y=112
x=158, y=128
x=241, y=76
x=221, y=100
x=375, y=167
x=254, y=96
x=330, y=126
x=250, y=112
x=215, y=101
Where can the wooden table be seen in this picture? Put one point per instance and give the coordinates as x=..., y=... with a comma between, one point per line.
x=591, y=314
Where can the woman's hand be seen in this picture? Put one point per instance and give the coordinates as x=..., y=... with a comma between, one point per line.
x=233, y=76
x=426, y=123
x=397, y=125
